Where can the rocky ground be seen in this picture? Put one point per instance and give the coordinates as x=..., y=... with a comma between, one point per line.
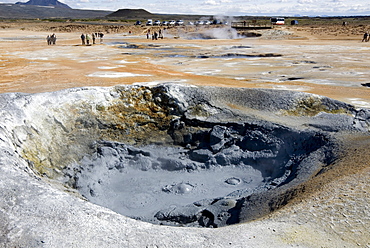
x=329, y=61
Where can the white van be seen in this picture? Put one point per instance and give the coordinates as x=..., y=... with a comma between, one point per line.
x=277, y=21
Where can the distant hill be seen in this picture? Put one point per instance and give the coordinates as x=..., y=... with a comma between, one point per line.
x=22, y=11
x=142, y=14
x=131, y=14
x=53, y=3
x=45, y=9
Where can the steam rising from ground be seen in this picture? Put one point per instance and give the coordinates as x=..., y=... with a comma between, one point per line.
x=215, y=33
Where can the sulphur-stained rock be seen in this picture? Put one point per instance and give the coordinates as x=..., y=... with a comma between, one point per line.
x=75, y=164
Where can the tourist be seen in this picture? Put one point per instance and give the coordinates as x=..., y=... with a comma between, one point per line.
x=148, y=34
x=155, y=36
x=366, y=37
x=53, y=39
x=160, y=34
x=48, y=39
x=101, y=35
x=87, y=39
x=93, y=38
x=83, y=39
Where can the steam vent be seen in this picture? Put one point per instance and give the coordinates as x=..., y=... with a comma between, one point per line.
x=170, y=154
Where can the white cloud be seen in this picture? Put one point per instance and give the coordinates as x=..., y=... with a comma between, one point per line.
x=306, y=1
x=210, y=2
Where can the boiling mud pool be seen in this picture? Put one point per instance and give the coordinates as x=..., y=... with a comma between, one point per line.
x=141, y=193
x=220, y=163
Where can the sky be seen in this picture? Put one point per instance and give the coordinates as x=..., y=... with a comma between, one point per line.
x=230, y=7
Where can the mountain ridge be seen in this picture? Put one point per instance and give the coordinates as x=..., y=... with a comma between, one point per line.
x=53, y=3
x=22, y=11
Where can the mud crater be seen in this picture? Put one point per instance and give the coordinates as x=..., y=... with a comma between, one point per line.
x=208, y=171
x=183, y=155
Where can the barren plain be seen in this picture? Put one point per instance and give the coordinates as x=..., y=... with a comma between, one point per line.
x=331, y=61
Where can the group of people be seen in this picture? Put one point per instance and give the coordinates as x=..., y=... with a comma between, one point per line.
x=366, y=37
x=154, y=35
x=51, y=39
x=85, y=39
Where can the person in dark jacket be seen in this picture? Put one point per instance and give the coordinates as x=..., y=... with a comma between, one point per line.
x=83, y=39
x=366, y=37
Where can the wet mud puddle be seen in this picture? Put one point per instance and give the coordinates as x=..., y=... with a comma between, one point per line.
x=138, y=183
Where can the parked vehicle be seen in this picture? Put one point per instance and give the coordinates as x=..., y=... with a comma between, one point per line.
x=157, y=23
x=216, y=22
x=179, y=23
x=294, y=22
x=138, y=23
x=149, y=22
x=277, y=21
x=172, y=23
x=165, y=23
